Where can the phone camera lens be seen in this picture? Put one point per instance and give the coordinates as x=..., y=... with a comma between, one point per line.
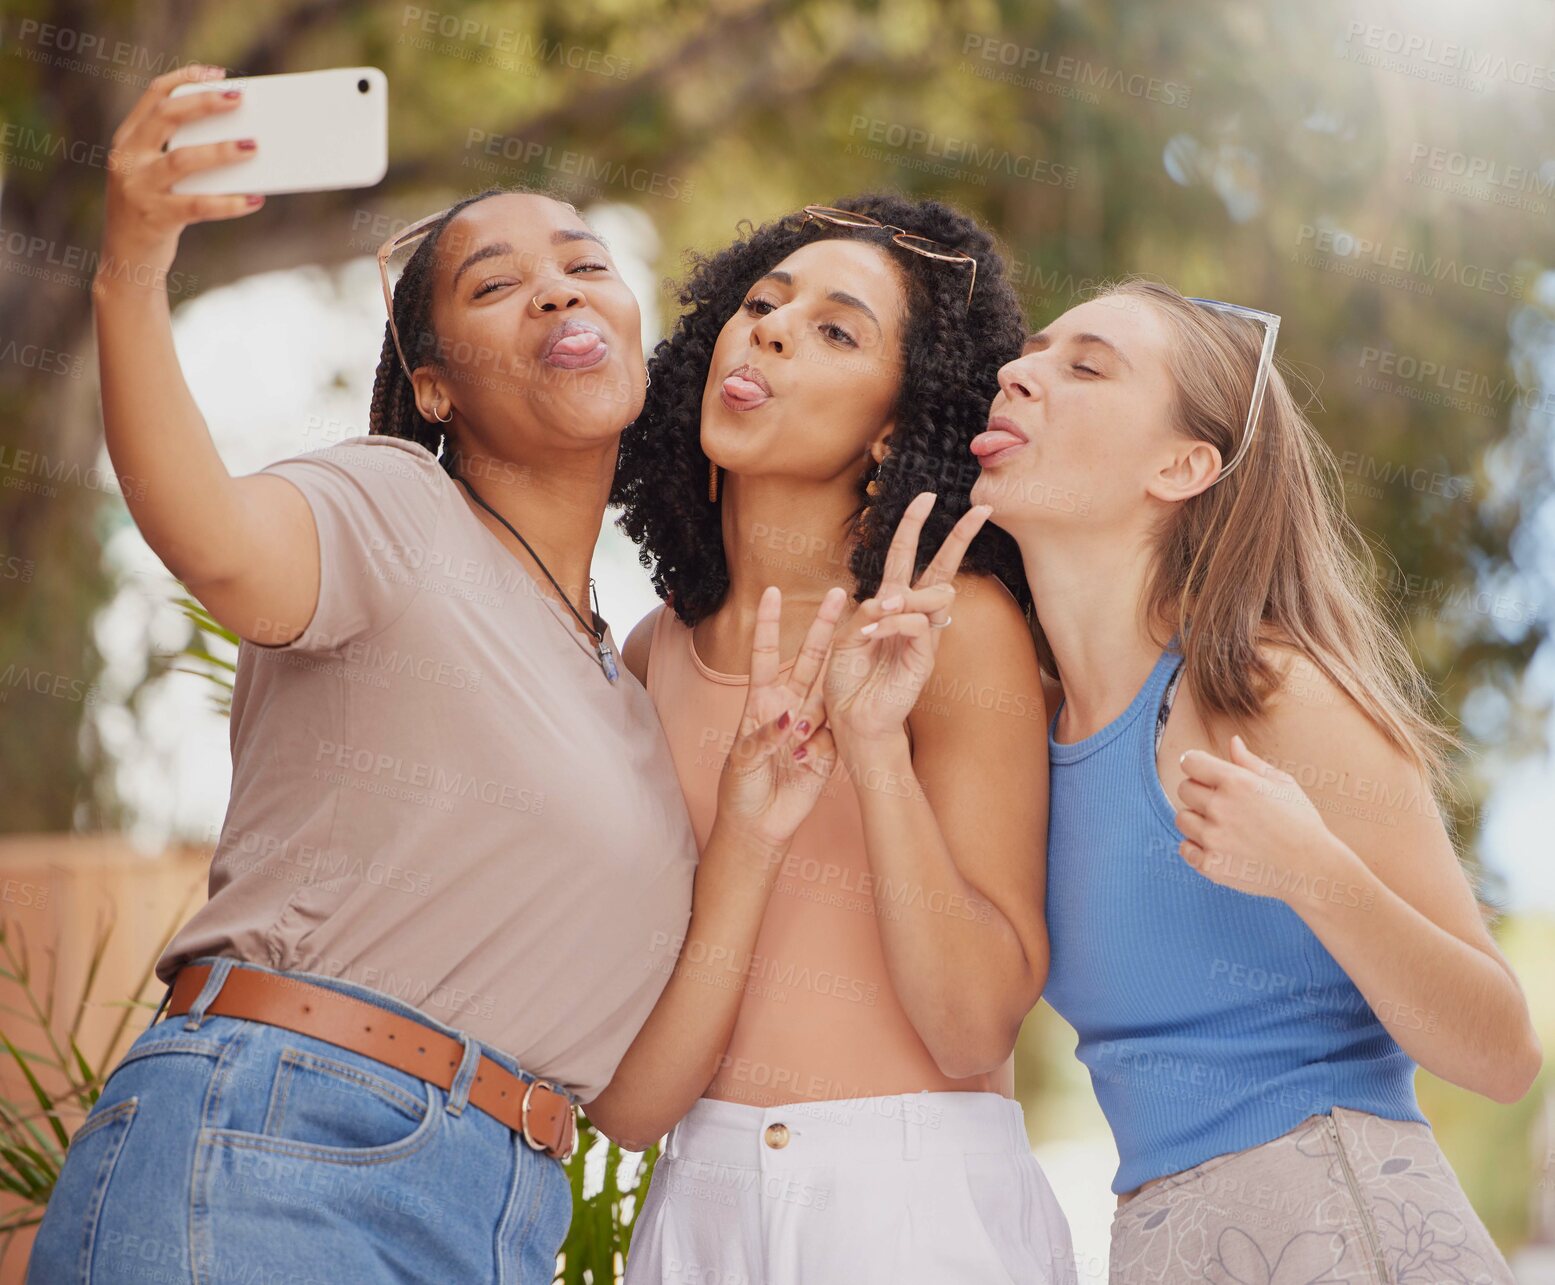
x=361, y=85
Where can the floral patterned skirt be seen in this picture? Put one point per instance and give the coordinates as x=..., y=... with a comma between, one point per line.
x=1340, y=1198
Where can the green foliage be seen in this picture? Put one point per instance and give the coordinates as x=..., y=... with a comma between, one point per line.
x=598, y=1240
x=198, y=658
x=35, y=1128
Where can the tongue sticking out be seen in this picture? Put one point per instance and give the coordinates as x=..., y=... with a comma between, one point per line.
x=995, y=439
x=740, y=389
x=585, y=341
x=581, y=349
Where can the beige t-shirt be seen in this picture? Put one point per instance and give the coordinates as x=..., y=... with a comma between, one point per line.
x=437, y=793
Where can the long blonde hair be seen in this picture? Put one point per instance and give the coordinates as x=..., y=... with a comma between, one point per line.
x=1268, y=554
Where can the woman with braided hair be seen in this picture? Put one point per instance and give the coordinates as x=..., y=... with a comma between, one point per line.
x=456, y=866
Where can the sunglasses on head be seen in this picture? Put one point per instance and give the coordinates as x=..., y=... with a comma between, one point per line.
x=1271, y=328
x=907, y=240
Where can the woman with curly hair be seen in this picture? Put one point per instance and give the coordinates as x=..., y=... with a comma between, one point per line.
x=830, y=368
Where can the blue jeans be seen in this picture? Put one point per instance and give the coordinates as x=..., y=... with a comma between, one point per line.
x=227, y=1150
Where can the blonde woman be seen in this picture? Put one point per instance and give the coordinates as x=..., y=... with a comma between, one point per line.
x=1258, y=923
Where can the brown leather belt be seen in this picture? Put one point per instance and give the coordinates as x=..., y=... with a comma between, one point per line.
x=535, y=1109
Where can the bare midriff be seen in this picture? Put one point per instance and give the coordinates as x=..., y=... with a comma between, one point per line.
x=819, y=1019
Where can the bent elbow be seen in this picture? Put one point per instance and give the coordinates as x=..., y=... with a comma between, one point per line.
x=960, y=1055
x=1518, y=1073
x=978, y=1042
x=627, y=1130
x=628, y=1138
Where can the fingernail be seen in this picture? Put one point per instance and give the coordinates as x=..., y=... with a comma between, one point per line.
x=800, y=752
x=211, y=72
x=246, y=145
x=256, y=200
x=869, y=629
x=802, y=726
x=891, y=603
x=783, y=720
x=232, y=93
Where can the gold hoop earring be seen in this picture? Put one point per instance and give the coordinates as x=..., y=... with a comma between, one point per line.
x=712, y=482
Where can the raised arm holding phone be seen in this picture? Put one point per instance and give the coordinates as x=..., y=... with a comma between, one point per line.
x=438, y=903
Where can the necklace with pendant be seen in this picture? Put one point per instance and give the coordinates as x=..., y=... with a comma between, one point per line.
x=602, y=649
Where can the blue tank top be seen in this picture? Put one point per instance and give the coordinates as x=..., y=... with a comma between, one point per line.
x=1211, y=1020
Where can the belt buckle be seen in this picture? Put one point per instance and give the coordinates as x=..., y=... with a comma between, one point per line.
x=568, y=1130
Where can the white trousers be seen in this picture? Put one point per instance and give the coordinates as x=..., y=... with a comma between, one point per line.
x=930, y=1188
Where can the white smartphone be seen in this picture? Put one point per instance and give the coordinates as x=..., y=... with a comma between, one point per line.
x=317, y=131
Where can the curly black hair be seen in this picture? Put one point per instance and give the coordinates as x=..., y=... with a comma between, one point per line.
x=952, y=354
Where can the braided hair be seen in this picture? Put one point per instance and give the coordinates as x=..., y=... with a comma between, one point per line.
x=393, y=412
x=951, y=359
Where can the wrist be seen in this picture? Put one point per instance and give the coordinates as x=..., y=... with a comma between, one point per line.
x=132, y=269
x=120, y=283
x=871, y=747
x=1330, y=881
x=880, y=769
x=743, y=845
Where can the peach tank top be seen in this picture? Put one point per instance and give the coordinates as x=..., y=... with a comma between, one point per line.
x=819, y=1019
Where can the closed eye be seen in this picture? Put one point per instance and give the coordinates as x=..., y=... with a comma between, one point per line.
x=1084, y=369
x=496, y=283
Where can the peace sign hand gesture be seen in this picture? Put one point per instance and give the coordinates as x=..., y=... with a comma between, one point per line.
x=783, y=752
x=883, y=658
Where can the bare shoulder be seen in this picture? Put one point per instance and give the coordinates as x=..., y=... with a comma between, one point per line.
x=639, y=644
x=1312, y=728
x=987, y=658
x=988, y=627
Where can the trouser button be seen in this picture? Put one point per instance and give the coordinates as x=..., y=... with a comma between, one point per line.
x=777, y=1135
